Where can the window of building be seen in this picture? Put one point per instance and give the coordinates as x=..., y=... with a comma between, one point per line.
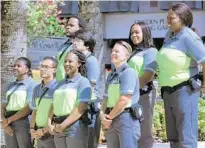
x=164, y=5
x=153, y=3
x=119, y=6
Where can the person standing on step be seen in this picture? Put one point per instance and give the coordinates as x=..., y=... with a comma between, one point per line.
x=178, y=61
x=143, y=61
x=73, y=26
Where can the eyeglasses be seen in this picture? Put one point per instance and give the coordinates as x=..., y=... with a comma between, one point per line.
x=46, y=67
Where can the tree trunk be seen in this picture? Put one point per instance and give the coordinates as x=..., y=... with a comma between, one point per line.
x=90, y=12
x=13, y=38
x=13, y=41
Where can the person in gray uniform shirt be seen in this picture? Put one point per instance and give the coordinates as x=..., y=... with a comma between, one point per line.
x=15, y=107
x=118, y=113
x=143, y=61
x=178, y=61
x=87, y=45
x=70, y=100
x=73, y=26
x=41, y=102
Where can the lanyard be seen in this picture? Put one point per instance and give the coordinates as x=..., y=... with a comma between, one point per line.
x=42, y=95
x=9, y=96
x=66, y=45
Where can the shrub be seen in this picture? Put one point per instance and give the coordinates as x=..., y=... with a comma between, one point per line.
x=201, y=120
x=159, y=128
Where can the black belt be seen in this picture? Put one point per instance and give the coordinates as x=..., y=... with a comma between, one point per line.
x=38, y=127
x=9, y=113
x=59, y=119
x=109, y=109
x=93, y=109
x=178, y=86
x=149, y=88
x=201, y=76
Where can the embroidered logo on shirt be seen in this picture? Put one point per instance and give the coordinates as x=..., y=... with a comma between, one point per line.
x=129, y=91
x=145, y=88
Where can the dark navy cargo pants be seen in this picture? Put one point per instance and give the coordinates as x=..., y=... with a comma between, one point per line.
x=181, y=113
x=124, y=132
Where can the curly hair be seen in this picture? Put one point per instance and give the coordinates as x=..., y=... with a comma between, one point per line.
x=81, y=23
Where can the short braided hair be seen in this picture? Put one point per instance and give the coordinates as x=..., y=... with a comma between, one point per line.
x=82, y=59
x=27, y=62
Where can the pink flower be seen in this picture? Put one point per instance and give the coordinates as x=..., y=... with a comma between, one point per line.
x=50, y=2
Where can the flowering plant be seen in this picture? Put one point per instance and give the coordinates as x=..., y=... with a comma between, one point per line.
x=43, y=20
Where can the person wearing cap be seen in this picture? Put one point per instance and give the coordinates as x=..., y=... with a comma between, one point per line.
x=15, y=107
x=87, y=45
x=143, y=60
x=70, y=100
x=73, y=26
x=178, y=61
x=121, y=92
x=41, y=102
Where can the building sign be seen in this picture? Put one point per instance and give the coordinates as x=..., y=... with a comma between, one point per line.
x=156, y=24
x=117, y=25
x=42, y=47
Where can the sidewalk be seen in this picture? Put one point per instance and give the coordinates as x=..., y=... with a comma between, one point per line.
x=163, y=145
